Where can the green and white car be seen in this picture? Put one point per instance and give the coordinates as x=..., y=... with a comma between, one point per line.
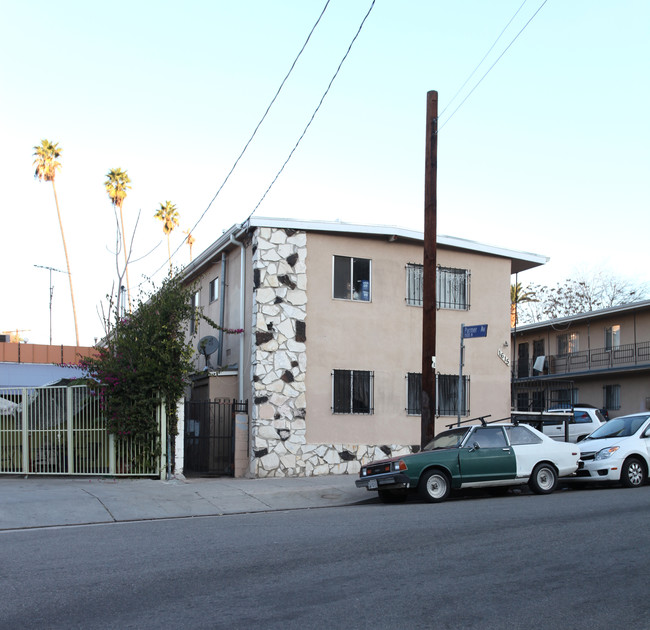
x=494, y=455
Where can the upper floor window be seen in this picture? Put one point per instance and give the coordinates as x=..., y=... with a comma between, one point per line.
x=195, y=305
x=567, y=343
x=352, y=391
x=214, y=289
x=351, y=278
x=452, y=287
x=612, y=337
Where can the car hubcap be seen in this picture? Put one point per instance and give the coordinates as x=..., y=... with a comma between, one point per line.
x=545, y=479
x=635, y=474
x=436, y=486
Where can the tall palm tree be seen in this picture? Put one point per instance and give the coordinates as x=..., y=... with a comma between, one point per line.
x=47, y=154
x=116, y=184
x=169, y=216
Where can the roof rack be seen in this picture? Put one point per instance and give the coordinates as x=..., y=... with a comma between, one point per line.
x=481, y=418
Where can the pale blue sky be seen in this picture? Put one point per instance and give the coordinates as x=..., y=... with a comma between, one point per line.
x=550, y=154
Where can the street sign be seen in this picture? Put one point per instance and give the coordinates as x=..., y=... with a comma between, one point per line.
x=470, y=332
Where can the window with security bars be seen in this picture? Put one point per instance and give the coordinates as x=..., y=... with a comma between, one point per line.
x=352, y=391
x=414, y=393
x=446, y=394
x=452, y=287
x=612, y=396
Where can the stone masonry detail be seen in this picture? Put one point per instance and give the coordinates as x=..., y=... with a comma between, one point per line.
x=279, y=365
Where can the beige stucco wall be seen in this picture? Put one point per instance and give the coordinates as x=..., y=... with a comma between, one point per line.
x=384, y=335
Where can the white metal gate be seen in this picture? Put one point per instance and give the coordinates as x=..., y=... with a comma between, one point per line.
x=62, y=431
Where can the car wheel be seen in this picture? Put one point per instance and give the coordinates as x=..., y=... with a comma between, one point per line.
x=434, y=486
x=633, y=473
x=543, y=480
x=393, y=496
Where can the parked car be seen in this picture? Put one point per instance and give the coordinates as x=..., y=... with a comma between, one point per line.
x=495, y=455
x=583, y=420
x=617, y=451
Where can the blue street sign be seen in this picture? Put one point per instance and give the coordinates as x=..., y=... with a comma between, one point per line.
x=470, y=332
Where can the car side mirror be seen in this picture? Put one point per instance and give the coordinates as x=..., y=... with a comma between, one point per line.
x=475, y=447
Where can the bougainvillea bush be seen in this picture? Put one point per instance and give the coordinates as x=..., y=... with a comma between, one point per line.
x=145, y=359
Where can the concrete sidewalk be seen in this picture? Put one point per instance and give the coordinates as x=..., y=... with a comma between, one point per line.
x=51, y=501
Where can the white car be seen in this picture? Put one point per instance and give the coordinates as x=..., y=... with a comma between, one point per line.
x=617, y=451
x=582, y=422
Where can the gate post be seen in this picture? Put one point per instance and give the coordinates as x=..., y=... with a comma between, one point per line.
x=164, y=439
x=111, y=454
x=70, y=433
x=25, y=432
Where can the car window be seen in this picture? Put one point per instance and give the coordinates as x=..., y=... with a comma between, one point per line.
x=522, y=435
x=619, y=427
x=488, y=437
x=447, y=439
x=582, y=417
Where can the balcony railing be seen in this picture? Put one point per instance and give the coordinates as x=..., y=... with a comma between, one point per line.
x=596, y=359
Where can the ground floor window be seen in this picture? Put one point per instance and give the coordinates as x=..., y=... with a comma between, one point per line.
x=612, y=396
x=352, y=391
x=446, y=394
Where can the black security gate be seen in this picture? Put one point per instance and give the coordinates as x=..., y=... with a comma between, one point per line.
x=210, y=437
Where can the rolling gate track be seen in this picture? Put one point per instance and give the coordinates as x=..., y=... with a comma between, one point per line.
x=62, y=431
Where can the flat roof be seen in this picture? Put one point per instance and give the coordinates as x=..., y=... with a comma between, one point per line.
x=520, y=260
x=586, y=316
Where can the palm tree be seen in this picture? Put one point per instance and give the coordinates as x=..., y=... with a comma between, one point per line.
x=116, y=184
x=190, y=241
x=169, y=216
x=46, y=163
x=518, y=295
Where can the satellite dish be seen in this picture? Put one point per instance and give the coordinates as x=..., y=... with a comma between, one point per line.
x=207, y=346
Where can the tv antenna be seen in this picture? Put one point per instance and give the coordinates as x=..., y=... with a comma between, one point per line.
x=51, y=269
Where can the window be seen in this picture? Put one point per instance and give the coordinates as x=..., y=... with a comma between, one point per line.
x=612, y=396
x=612, y=337
x=488, y=437
x=414, y=275
x=452, y=287
x=522, y=435
x=214, y=289
x=564, y=398
x=567, y=343
x=447, y=395
x=351, y=278
x=195, y=304
x=414, y=394
x=352, y=391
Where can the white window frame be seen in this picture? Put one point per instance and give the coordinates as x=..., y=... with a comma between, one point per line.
x=354, y=294
x=214, y=289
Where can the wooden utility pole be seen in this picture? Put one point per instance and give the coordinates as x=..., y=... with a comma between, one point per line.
x=429, y=272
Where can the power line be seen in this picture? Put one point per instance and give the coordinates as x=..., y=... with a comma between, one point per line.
x=315, y=111
x=259, y=124
x=494, y=64
x=460, y=89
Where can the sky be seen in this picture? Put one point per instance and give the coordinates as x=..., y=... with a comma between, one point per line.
x=546, y=148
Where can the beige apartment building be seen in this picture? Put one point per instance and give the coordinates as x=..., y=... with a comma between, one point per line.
x=330, y=358
x=600, y=358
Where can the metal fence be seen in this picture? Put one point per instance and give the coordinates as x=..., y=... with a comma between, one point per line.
x=62, y=431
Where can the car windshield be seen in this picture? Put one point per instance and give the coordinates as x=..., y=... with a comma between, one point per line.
x=619, y=427
x=447, y=439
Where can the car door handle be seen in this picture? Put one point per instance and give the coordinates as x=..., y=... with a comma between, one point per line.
x=506, y=449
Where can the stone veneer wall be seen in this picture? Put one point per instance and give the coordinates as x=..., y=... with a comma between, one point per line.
x=279, y=366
